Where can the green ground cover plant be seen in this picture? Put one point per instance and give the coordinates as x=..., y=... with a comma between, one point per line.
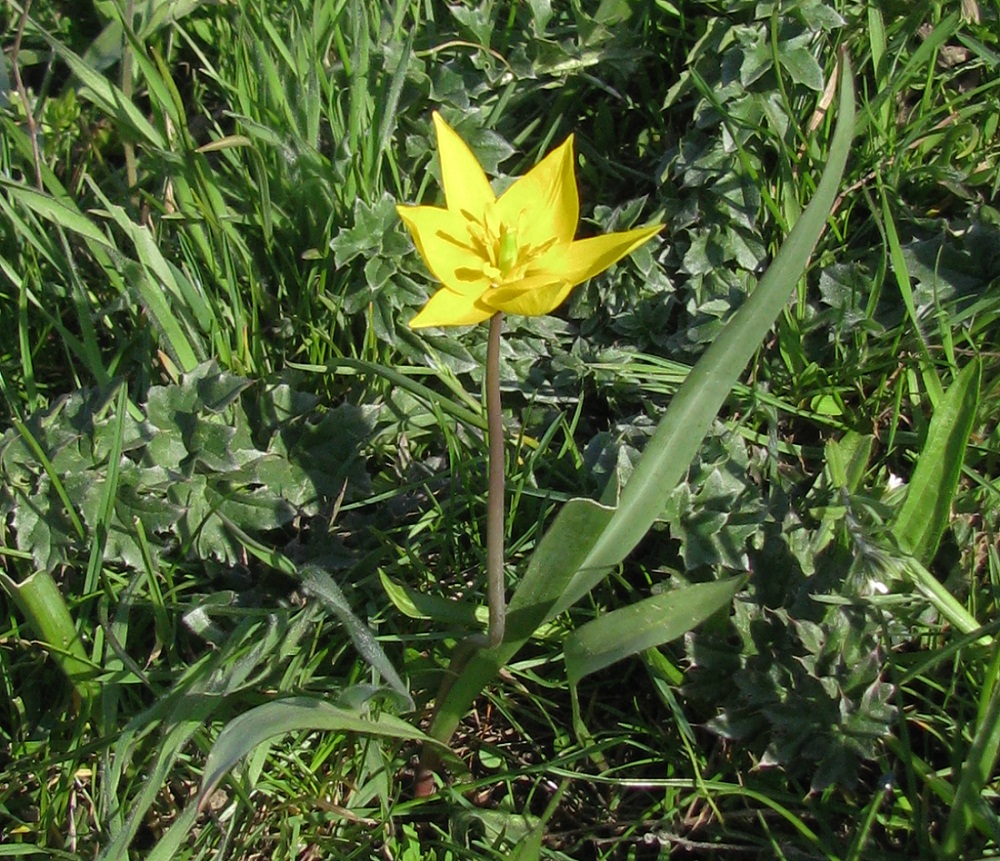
x=752, y=470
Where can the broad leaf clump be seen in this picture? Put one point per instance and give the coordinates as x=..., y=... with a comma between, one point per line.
x=200, y=462
x=798, y=673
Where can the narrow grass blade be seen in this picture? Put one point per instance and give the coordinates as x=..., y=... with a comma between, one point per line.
x=184, y=317
x=240, y=662
x=154, y=299
x=151, y=15
x=941, y=599
x=529, y=848
x=915, y=67
x=321, y=585
x=170, y=845
x=984, y=820
x=106, y=511
x=456, y=410
x=975, y=773
x=905, y=285
x=99, y=90
x=59, y=212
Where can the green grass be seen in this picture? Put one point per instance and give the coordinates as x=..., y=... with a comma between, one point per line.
x=222, y=445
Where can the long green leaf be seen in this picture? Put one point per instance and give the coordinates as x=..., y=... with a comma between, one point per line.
x=668, y=454
x=550, y=570
x=293, y=714
x=321, y=585
x=925, y=512
x=109, y=98
x=905, y=284
x=39, y=599
x=587, y=540
x=62, y=213
x=644, y=625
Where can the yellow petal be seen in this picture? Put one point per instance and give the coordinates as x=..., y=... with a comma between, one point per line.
x=443, y=240
x=586, y=258
x=556, y=274
x=447, y=308
x=543, y=204
x=532, y=302
x=465, y=185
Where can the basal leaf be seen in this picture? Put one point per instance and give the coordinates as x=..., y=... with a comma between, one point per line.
x=643, y=625
x=926, y=510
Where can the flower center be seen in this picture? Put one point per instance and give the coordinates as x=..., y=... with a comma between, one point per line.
x=504, y=260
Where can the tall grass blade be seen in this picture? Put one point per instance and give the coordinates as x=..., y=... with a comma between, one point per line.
x=321, y=585
x=241, y=661
x=109, y=98
x=60, y=212
x=99, y=533
x=974, y=775
x=905, y=285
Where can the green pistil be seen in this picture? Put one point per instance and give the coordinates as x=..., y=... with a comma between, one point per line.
x=507, y=258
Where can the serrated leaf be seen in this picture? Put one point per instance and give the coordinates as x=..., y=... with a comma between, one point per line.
x=370, y=224
x=211, y=444
x=165, y=404
x=166, y=450
x=802, y=66
x=43, y=530
x=253, y=510
x=215, y=389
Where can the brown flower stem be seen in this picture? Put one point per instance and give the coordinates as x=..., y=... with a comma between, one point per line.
x=430, y=760
x=424, y=784
x=495, y=507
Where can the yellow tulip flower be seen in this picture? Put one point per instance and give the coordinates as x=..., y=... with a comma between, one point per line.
x=515, y=253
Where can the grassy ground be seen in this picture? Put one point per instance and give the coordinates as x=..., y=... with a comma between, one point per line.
x=236, y=476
